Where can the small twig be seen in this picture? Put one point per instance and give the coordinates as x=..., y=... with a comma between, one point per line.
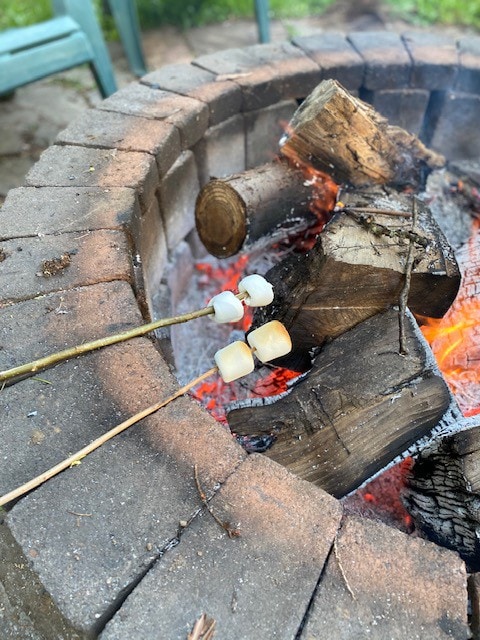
x=81, y=515
x=335, y=552
x=232, y=533
x=381, y=230
x=72, y=352
x=403, y=349
x=79, y=455
x=383, y=212
x=203, y=629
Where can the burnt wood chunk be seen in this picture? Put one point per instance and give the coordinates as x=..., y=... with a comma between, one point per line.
x=360, y=406
x=357, y=268
x=346, y=138
x=240, y=209
x=443, y=493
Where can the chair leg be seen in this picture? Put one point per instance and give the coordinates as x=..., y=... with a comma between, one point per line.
x=125, y=15
x=263, y=21
x=82, y=12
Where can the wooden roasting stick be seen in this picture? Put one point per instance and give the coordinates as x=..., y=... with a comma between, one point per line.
x=242, y=208
x=360, y=406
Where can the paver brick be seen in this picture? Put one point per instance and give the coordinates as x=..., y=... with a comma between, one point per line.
x=26, y=611
x=31, y=211
x=177, y=195
x=221, y=152
x=264, y=128
x=468, y=78
x=335, y=56
x=457, y=134
x=380, y=583
x=435, y=60
x=35, y=266
x=110, y=130
x=151, y=244
x=188, y=114
x=387, y=63
x=34, y=442
x=265, y=73
x=405, y=108
x=257, y=585
x=137, y=488
x=66, y=166
x=257, y=83
x=222, y=98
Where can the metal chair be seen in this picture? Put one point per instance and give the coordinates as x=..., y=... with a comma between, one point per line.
x=263, y=21
x=124, y=13
x=71, y=38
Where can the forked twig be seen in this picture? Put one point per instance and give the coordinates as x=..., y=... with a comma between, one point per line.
x=403, y=349
x=203, y=629
x=347, y=584
x=232, y=532
x=79, y=455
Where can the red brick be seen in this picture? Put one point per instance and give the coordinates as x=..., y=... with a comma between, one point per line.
x=435, y=60
x=189, y=115
x=381, y=583
x=87, y=258
x=31, y=211
x=222, y=98
x=257, y=585
x=387, y=63
x=335, y=56
x=67, y=166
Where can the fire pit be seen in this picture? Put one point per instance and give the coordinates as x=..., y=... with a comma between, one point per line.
x=110, y=204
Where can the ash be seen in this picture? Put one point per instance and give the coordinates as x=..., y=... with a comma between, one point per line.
x=193, y=282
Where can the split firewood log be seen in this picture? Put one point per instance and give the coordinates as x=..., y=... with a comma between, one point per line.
x=238, y=210
x=443, y=490
x=362, y=405
x=346, y=138
x=357, y=268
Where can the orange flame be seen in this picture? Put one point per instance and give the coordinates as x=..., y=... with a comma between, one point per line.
x=322, y=203
x=455, y=338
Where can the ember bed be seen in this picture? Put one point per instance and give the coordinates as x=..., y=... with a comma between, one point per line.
x=120, y=545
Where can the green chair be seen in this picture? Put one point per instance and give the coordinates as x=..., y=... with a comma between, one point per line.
x=263, y=20
x=71, y=38
x=126, y=20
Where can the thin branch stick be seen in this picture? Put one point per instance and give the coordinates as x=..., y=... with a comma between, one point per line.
x=347, y=584
x=232, y=533
x=72, y=352
x=403, y=350
x=383, y=212
x=76, y=457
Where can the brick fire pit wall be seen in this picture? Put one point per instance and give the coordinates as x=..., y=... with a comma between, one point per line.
x=118, y=542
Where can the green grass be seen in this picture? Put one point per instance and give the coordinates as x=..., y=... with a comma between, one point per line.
x=189, y=13
x=452, y=12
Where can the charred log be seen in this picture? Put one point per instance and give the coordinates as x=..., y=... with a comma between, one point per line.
x=360, y=406
x=443, y=493
x=345, y=137
x=357, y=268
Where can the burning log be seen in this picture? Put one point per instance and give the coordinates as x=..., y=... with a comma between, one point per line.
x=242, y=208
x=357, y=268
x=346, y=138
x=360, y=406
x=443, y=492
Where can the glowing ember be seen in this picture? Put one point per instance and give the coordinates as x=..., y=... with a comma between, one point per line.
x=455, y=339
